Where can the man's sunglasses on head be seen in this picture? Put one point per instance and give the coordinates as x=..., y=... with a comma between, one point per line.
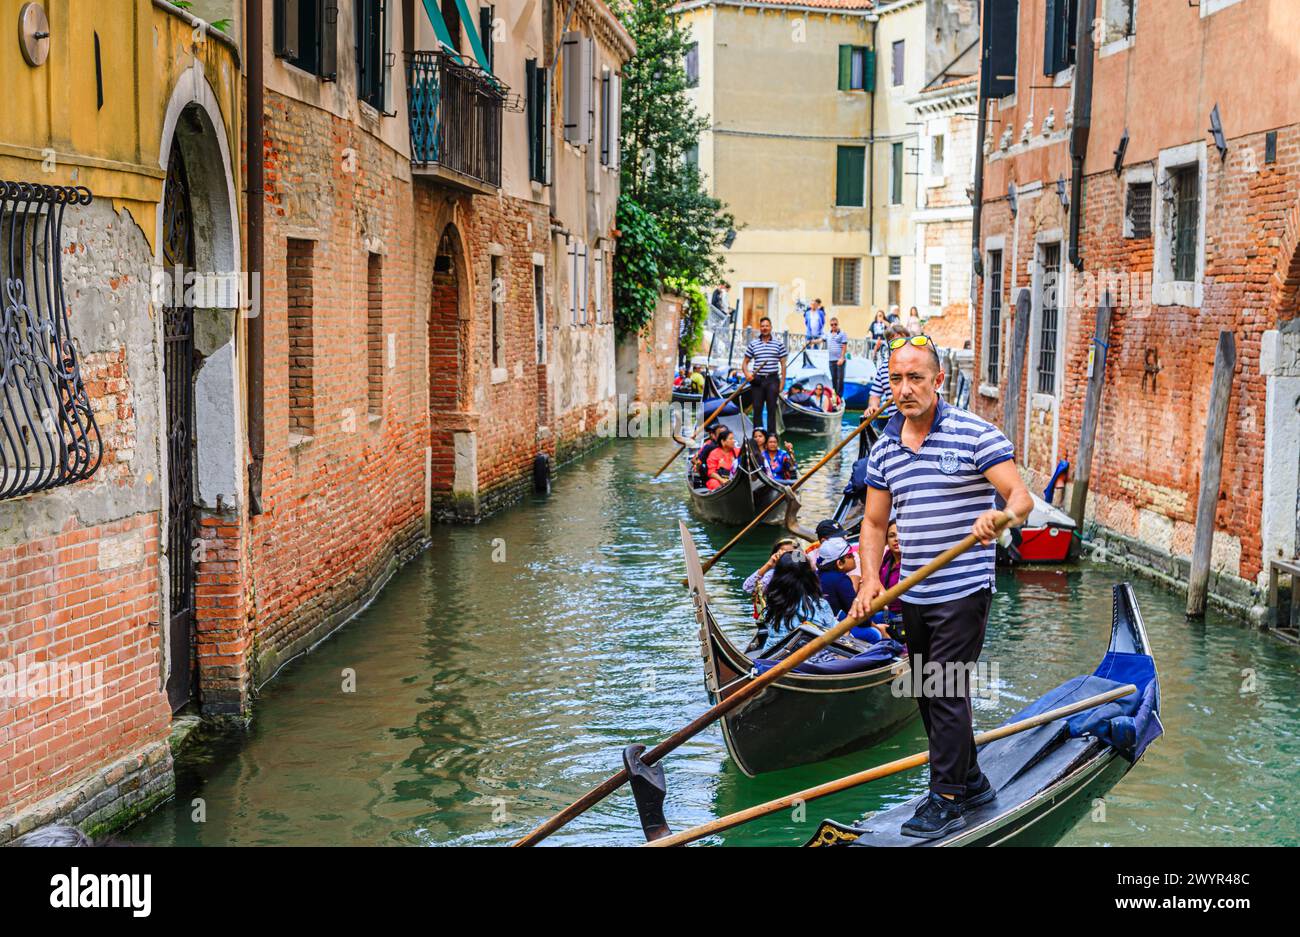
x=918, y=340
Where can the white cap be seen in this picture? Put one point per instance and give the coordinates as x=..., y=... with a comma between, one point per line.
x=831, y=550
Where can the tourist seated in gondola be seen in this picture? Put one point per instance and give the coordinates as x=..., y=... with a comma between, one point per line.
x=778, y=462
x=890, y=569
x=721, y=461
x=826, y=398
x=756, y=583
x=835, y=565
x=697, y=380
x=760, y=438
x=794, y=597
x=801, y=397
x=699, y=462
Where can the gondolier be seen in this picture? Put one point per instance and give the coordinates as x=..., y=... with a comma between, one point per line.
x=764, y=367
x=938, y=469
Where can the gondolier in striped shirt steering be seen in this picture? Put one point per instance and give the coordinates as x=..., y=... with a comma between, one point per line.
x=764, y=367
x=937, y=469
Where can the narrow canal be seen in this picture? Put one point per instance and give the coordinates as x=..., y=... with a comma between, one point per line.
x=499, y=676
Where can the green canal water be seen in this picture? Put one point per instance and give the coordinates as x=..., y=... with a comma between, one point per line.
x=500, y=674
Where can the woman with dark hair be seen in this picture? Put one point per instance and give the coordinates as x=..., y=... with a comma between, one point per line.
x=794, y=596
x=760, y=438
x=722, y=461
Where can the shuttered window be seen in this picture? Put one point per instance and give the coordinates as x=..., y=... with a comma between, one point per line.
x=850, y=176
x=896, y=174
x=1137, y=211
x=370, y=52
x=857, y=69
x=1058, y=35
x=610, y=113
x=578, y=76
x=1187, y=199
x=936, y=285
x=485, y=17
x=692, y=65
x=1049, y=310
x=1000, y=47
x=993, y=344
x=537, y=88
x=899, y=59
x=847, y=280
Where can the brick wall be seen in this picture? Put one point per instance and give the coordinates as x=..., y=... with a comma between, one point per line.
x=1146, y=471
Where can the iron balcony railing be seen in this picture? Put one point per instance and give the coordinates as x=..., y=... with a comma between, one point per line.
x=455, y=117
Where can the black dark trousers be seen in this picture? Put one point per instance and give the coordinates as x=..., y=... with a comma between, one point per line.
x=837, y=378
x=763, y=397
x=948, y=633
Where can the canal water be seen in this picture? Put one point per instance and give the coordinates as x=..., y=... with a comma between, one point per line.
x=500, y=674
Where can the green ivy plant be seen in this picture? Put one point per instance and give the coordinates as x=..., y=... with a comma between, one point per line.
x=637, y=276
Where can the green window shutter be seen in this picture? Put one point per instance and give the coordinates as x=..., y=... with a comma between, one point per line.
x=850, y=182
x=870, y=70
x=846, y=67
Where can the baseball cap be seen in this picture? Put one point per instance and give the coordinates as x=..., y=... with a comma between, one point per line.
x=832, y=550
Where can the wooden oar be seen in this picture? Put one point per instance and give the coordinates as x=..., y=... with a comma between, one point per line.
x=794, y=486
x=880, y=771
x=747, y=690
x=681, y=448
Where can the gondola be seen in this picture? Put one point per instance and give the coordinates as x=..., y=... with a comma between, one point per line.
x=810, y=421
x=1048, y=777
x=1047, y=536
x=751, y=488
x=838, y=702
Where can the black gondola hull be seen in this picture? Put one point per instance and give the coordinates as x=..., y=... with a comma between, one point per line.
x=808, y=422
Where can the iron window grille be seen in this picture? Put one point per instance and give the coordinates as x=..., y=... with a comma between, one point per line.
x=846, y=280
x=1051, y=285
x=992, y=359
x=48, y=434
x=1186, y=185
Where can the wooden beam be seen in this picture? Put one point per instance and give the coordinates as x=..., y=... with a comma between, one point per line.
x=1016, y=366
x=1097, y=355
x=1216, y=423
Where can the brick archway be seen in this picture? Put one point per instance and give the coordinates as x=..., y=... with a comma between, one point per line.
x=453, y=470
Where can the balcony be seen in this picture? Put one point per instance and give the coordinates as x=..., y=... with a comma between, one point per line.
x=455, y=122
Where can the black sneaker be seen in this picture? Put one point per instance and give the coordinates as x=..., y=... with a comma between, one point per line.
x=981, y=794
x=936, y=817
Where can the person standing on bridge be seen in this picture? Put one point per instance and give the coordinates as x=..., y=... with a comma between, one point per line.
x=764, y=368
x=938, y=468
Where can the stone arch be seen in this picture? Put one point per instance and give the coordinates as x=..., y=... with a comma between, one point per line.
x=209, y=485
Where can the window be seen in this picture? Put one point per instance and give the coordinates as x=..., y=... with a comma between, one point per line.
x=1000, y=48
x=1049, y=299
x=610, y=110
x=993, y=342
x=305, y=34
x=539, y=310
x=498, y=301
x=897, y=70
x=537, y=88
x=895, y=266
x=895, y=293
x=847, y=277
x=579, y=54
x=370, y=52
x=857, y=69
x=896, y=174
x=599, y=276
x=1120, y=20
x=375, y=333
x=692, y=65
x=691, y=155
x=578, y=281
x=1186, y=185
x=298, y=281
x=936, y=285
x=850, y=176
x=1058, y=35
x=1137, y=210
x=451, y=16
x=936, y=154
x=485, y=17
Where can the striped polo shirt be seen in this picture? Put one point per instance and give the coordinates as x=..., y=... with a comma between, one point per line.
x=836, y=342
x=938, y=492
x=880, y=388
x=766, y=355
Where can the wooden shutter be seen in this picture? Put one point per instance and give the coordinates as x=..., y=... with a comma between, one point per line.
x=574, y=111
x=589, y=73
x=329, y=40
x=615, y=119
x=1058, y=36
x=998, y=65
x=285, y=29
x=485, y=16
x=846, y=67
x=850, y=163
x=606, y=117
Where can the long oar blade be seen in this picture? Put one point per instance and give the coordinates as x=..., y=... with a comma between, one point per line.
x=757, y=685
x=880, y=771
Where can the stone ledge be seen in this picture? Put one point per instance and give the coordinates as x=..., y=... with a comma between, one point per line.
x=106, y=801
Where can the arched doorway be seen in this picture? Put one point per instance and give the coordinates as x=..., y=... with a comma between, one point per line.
x=197, y=254
x=178, y=381
x=453, y=478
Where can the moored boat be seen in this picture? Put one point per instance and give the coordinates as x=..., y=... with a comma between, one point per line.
x=1047, y=536
x=839, y=701
x=1048, y=777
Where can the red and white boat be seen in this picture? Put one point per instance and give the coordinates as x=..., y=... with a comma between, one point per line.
x=1046, y=537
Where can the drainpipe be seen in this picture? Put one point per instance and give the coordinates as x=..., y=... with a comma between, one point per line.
x=256, y=351
x=1082, y=120
x=874, y=20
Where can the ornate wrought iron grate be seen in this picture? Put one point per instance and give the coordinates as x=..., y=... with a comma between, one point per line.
x=48, y=435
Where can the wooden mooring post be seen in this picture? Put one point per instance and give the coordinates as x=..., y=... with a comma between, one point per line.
x=1216, y=423
x=1097, y=356
x=1016, y=365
